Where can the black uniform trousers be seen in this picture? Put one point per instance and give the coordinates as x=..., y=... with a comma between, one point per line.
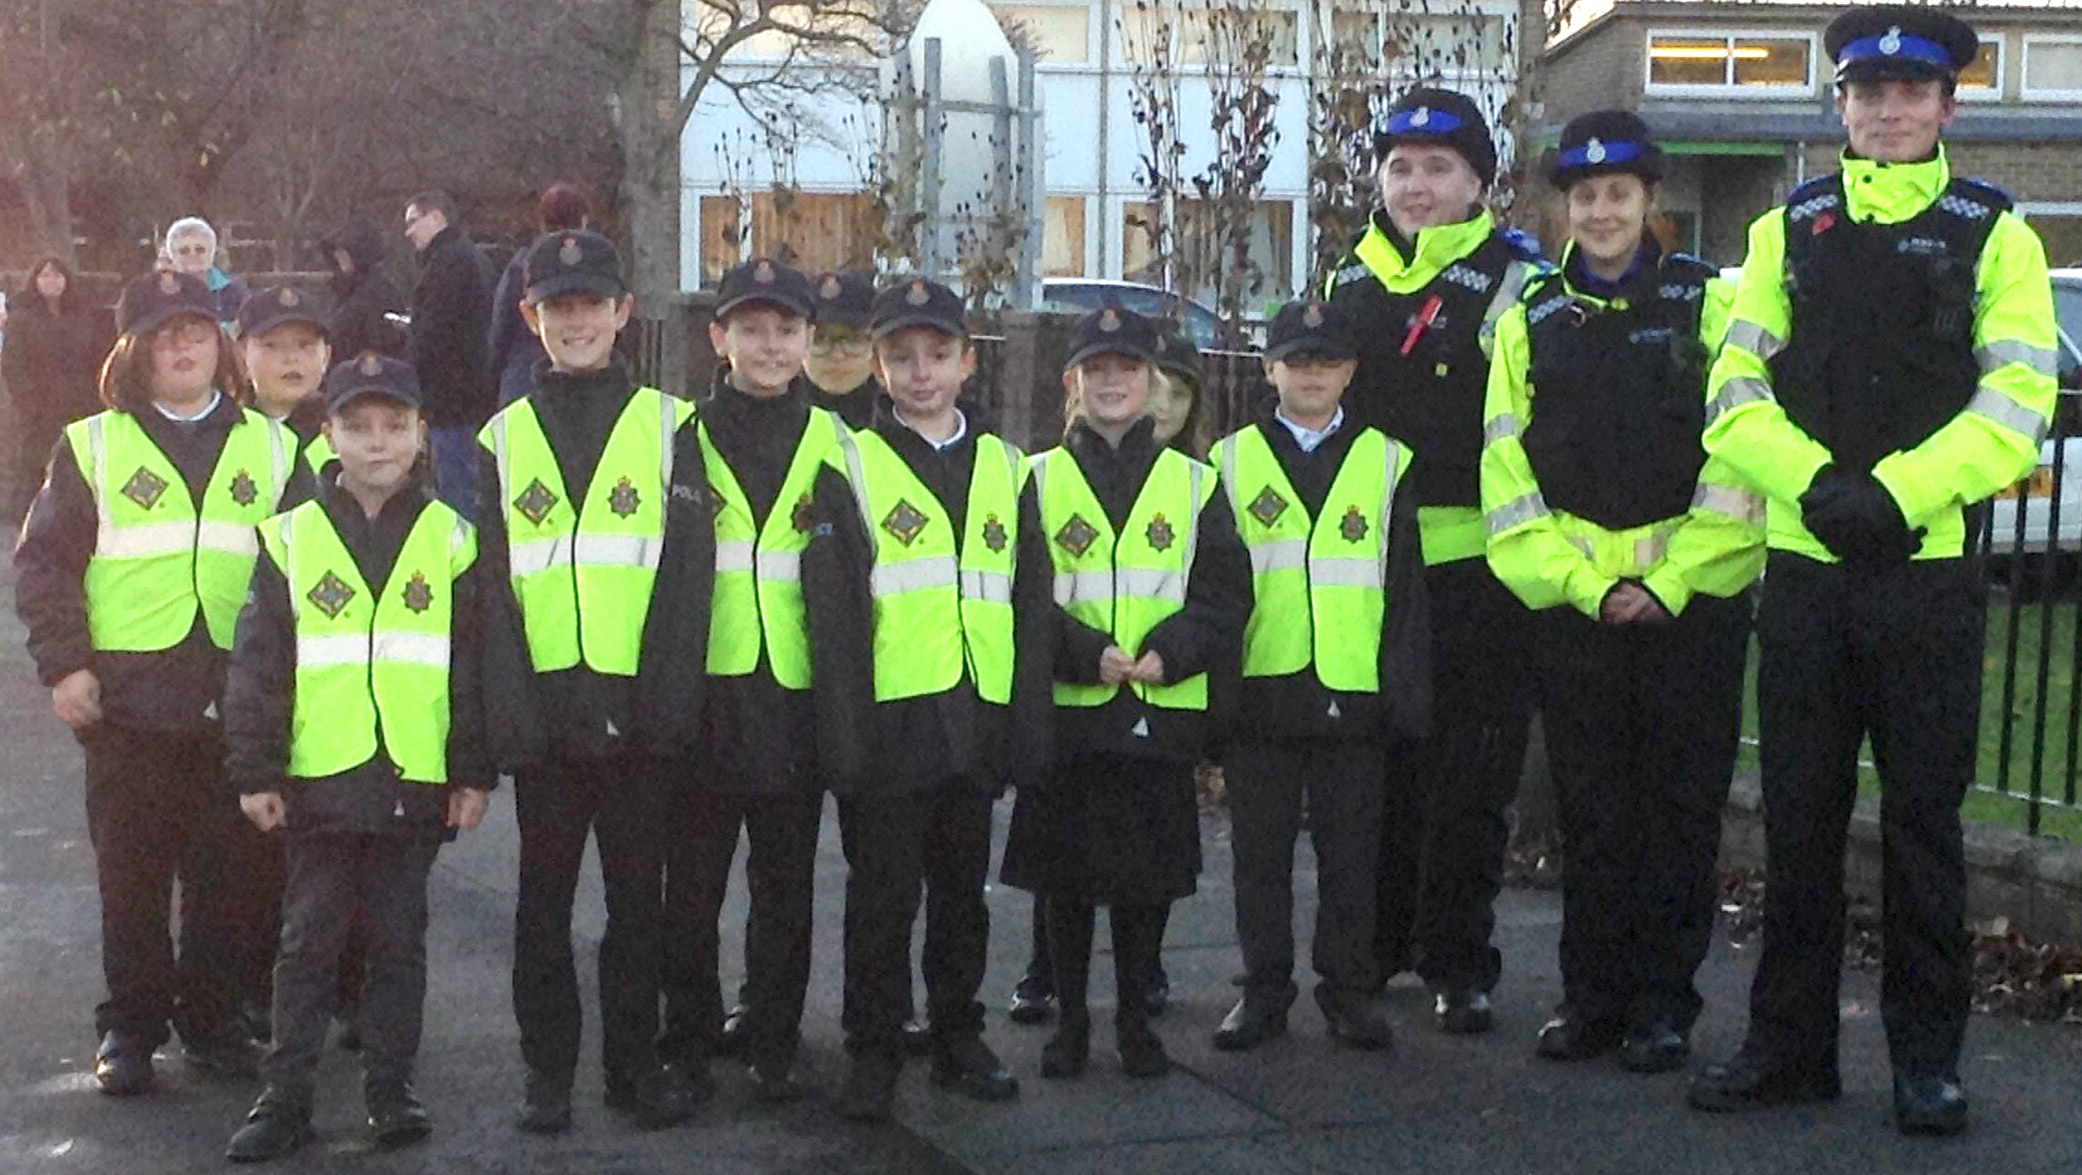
x=1267, y=783
x=1893, y=651
x=624, y=801
x=1442, y=841
x=780, y=873
x=157, y=811
x=940, y=835
x=260, y=862
x=336, y=879
x=1642, y=723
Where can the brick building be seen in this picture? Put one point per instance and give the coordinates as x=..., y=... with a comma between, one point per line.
x=1741, y=96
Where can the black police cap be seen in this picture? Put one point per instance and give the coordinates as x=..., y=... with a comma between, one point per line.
x=1606, y=141
x=844, y=298
x=574, y=261
x=1112, y=331
x=1309, y=326
x=370, y=374
x=918, y=302
x=280, y=305
x=765, y=280
x=1444, y=117
x=149, y=300
x=1177, y=356
x=1899, y=41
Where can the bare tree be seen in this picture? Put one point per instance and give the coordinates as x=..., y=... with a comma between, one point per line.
x=1240, y=39
x=1153, y=89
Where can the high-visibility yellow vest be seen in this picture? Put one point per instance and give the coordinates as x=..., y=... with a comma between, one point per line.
x=159, y=555
x=372, y=673
x=1321, y=582
x=318, y=451
x=942, y=604
x=583, y=575
x=757, y=600
x=1124, y=584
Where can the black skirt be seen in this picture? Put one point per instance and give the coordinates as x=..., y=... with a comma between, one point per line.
x=1107, y=830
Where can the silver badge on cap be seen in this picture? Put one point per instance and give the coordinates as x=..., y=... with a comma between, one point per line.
x=570, y=254
x=919, y=295
x=169, y=284
x=764, y=273
x=1890, y=44
x=1421, y=116
x=370, y=364
x=1594, y=151
x=830, y=288
x=1109, y=320
x=288, y=298
x=1313, y=316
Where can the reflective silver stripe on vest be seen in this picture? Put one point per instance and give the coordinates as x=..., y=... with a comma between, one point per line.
x=1153, y=585
x=733, y=555
x=538, y=555
x=1508, y=292
x=1515, y=513
x=1360, y=571
x=777, y=566
x=1393, y=456
x=666, y=433
x=1752, y=337
x=354, y=648
x=992, y=587
x=1502, y=426
x=1996, y=405
x=856, y=473
x=499, y=456
x=1229, y=486
x=459, y=537
x=1074, y=586
x=617, y=550
x=1278, y=555
x=280, y=436
x=230, y=538
x=912, y=575
x=340, y=648
x=1735, y=393
x=1199, y=475
x=2003, y=352
x=136, y=542
x=1739, y=504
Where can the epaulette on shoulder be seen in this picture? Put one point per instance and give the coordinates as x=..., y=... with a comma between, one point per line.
x=1981, y=190
x=1821, y=194
x=1523, y=244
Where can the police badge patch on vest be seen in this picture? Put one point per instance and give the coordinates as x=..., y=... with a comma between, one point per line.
x=145, y=488
x=1159, y=534
x=905, y=521
x=1267, y=506
x=994, y=535
x=419, y=594
x=1353, y=527
x=622, y=499
x=243, y=491
x=536, y=501
x=331, y=595
x=1077, y=535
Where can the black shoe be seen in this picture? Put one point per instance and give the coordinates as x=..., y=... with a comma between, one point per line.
x=1929, y=1104
x=279, y=1123
x=123, y=1065
x=969, y=1068
x=1361, y=1024
x=545, y=1104
x=1159, y=997
x=774, y=1084
x=1142, y=1054
x=1461, y=1012
x=1070, y=1049
x=870, y=1091
x=737, y=1032
x=918, y=1038
x=228, y=1050
x=1033, y=1001
x=1655, y=1047
x=396, y=1116
x=1573, y=1036
x=1751, y=1080
x=653, y=1100
x=1249, y=1025
x=691, y=1081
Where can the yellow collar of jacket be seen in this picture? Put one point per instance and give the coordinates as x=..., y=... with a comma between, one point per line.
x=1889, y=193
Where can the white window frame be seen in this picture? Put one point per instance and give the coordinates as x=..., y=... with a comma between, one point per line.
x=2002, y=64
x=1728, y=89
x=2025, y=89
x=1124, y=63
x=1092, y=33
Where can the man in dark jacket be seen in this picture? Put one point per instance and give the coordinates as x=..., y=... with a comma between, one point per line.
x=363, y=297
x=451, y=305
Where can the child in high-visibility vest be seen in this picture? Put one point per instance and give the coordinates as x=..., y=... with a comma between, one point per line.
x=1151, y=587
x=355, y=721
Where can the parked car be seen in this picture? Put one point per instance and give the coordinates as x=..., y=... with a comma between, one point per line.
x=1076, y=295
x=2063, y=447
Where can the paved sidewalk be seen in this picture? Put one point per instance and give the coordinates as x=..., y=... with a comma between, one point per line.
x=1433, y=1104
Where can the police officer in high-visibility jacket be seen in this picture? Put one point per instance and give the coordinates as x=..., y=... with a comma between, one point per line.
x=1423, y=288
x=132, y=566
x=1888, y=366
x=921, y=618
x=1151, y=587
x=1636, y=551
x=588, y=485
x=1334, y=672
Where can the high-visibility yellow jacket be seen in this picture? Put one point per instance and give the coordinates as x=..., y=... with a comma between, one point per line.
x=1985, y=448
x=1549, y=557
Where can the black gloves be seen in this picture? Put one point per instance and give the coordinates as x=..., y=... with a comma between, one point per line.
x=1856, y=518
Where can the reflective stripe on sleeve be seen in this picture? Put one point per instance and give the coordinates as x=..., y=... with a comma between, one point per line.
x=1739, y=504
x=1996, y=405
x=1515, y=513
x=1735, y=393
x=2003, y=352
x=1754, y=338
x=1502, y=426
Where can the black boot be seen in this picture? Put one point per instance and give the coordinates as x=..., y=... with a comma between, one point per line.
x=1250, y=1024
x=971, y=1069
x=123, y=1064
x=1756, y=1079
x=396, y=1115
x=736, y=1037
x=1070, y=1049
x=545, y=1103
x=278, y=1124
x=1137, y=939
x=1575, y=1036
x=227, y=1050
x=1462, y=1011
x=1929, y=1103
x=653, y=1099
x=1654, y=1047
x=1070, y=957
x=870, y=1092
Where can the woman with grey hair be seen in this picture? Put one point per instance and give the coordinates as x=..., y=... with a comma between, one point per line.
x=191, y=244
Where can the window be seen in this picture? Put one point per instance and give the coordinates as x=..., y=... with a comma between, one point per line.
x=1062, y=237
x=814, y=231
x=1199, y=35
x=1199, y=251
x=1983, y=78
x=1740, y=61
x=2053, y=67
x=1056, y=32
x=1431, y=45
